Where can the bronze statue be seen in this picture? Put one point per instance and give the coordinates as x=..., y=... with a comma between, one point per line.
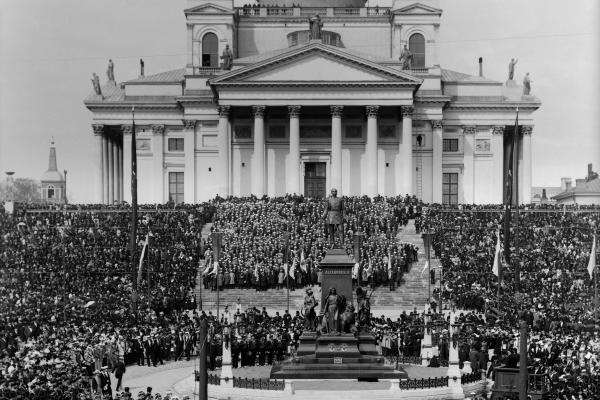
x=364, y=309
x=227, y=58
x=334, y=216
x=309, y=310
x=348, y=320
x=110, y=72
x=332, y=311
x=96, y=84
x=315, y=27
x=511, y=68
x=406, y=58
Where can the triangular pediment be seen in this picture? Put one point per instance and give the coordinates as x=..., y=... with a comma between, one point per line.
x=208, y=8
x=316, y=63
x=418, y=8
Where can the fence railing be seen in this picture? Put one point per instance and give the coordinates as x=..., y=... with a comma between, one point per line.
x=423, y=383
x=262, y=384
x=470, y=378
x=212, y=379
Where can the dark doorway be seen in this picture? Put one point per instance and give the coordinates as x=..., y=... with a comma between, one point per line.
x=314, y=179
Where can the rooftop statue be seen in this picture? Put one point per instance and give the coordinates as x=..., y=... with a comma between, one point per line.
x=315, y=27
x=110, y=72
x=511, y=68
x=96, y=84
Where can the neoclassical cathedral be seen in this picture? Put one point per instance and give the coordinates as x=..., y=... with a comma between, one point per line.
x=300, y=96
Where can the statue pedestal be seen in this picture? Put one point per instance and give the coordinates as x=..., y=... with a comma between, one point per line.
x=337, y=273
x=337, y=357
x=511, y=83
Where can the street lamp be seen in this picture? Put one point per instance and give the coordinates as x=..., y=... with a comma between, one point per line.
x=65, y=171
x=286, y=241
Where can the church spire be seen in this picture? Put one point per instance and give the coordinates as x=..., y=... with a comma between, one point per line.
x=52, y=161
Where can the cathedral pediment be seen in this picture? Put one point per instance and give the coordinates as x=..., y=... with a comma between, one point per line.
x=418, y=8
x=318, y=64
x=208, y=8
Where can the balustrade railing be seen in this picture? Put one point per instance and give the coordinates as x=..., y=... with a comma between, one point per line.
x=423, y=383
x=313, y=10
x=470, y=378
x=346, y=11
x=261, y=384
x=280, y=11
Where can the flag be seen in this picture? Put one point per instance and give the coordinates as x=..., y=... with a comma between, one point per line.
x=355, y=271
x=592, y=262
x=293, y=269
x=496, y=266
x=425, y=267
x=389, y=266
x=256, y=271
x=285, y=270
x=370, y=268
x=141, y=263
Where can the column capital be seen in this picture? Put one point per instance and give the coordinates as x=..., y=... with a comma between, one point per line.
x=98, y=129
x=526, y=129
x=294, y=111
x=498, y=130
x=158, y=129
x=258, y=111
x=224, y=111
x=436, y=124
x=188, y=124
x=372, y=111
x=407, y=111
x=127, y=129
x=469, y=130
x=337, y=111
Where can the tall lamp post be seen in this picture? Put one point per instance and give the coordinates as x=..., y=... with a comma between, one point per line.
x=427, y=242
x=65, y=171
x=286, y=243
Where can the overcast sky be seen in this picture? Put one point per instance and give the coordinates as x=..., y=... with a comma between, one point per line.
x=49, y=49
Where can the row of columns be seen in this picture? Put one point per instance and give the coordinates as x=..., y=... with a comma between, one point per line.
x=259, y=176
x=110, y=161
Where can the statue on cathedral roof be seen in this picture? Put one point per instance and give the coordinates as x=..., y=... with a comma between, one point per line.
x=110, y=72
x=96, y=84
x=315, y=27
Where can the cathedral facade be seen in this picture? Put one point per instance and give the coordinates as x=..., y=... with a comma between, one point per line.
x=304, y=96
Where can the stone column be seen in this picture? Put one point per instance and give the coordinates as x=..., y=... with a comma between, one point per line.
x=526, y=185
x=336, y=147
x=99, y=138
x=115, y=174
x=294, y=161
x=158, y=151
x=111, y=170
x=371, y=151
x=497, y=147
x=127, y=131
x=258, y=166
x=224, y=151
x=406, y=151
x=468, y=162
x=106, y=179
x=437, y=147
x=120, y=172
x=189, y=154
x=190, y=51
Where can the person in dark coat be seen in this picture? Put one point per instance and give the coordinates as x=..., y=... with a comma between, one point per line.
x=119, y=371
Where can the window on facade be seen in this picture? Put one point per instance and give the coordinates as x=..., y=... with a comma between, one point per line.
x=50, y=191
x=416, y=45
x=450, y=145
x=210, y=50
x=176, y=187
x=175, y=144
x=450, y=188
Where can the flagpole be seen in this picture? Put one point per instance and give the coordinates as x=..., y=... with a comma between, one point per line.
x=133, y=238
x=516, y=186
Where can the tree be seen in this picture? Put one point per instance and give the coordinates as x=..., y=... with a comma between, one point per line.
x=26, y=190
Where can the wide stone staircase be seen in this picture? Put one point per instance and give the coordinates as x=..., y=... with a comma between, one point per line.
x=413, y=292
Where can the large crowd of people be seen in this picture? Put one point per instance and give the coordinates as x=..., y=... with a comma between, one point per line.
x=67, y=288
x=257, y=253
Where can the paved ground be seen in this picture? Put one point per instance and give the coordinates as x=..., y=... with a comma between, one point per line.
x=164, y=377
